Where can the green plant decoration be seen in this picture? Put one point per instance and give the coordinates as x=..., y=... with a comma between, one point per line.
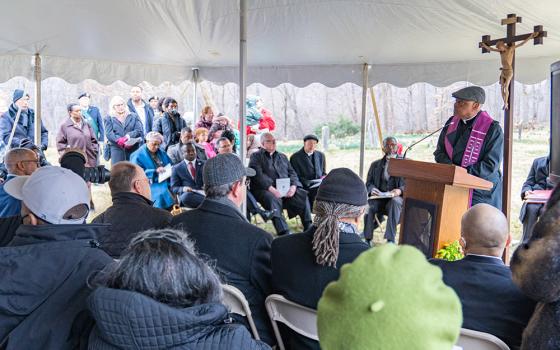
x=451, y=252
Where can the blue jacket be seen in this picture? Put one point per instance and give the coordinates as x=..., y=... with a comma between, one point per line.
x=98, y=120
x=24, y=129
x=148, y=122
x=115, y=130
x=160, y=191
x=181, y=176
x=9, y=206
x=43, y=288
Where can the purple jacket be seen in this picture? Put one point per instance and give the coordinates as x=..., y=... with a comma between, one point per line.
x=71, y=136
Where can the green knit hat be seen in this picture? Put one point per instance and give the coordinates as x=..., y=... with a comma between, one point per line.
x=389, y=298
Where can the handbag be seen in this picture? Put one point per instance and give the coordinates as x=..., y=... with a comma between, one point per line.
x=107, y=152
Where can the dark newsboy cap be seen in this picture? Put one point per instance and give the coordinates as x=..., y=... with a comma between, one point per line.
x=342, y=185
x=84, y=94
x=310, y=137
x=471, y=93
x=224, y=169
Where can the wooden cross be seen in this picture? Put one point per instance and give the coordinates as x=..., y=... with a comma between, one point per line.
x=508, y=62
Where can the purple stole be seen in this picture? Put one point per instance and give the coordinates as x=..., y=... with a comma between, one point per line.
x=474, y=144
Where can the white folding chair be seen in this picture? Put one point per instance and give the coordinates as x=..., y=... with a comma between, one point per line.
x=238, y=304
x=474, y=340
x=300, y=319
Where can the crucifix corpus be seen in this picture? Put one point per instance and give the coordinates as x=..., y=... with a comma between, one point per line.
x=506, y=47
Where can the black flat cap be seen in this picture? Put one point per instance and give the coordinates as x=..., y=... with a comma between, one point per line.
x=471, y=93
x=310, y=137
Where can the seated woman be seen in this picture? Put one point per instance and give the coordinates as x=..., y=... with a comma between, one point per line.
x=161, y=295
x=201, y=139
x=153, y=160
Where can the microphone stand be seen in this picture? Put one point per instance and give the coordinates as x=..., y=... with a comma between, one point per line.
x=425, y=137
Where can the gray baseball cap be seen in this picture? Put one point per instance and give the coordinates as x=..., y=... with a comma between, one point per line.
x=471, y=93
x=224, y=169
x=50, y=192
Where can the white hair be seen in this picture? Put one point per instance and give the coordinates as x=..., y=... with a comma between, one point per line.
x=265, y=135
x=115, y=101
x=154, y=136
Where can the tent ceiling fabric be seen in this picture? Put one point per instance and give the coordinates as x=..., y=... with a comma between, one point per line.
x=301, y=42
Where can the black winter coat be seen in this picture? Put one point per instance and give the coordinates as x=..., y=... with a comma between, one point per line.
x=130, y=213
x=43, y=285
x=297, y=277
x=305, y=169
x=489, y=162
x=170, y=128
x=129, y=320
x=241, y=251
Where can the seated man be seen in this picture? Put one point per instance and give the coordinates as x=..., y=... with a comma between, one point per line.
x=253, y=208
x=19, y=162
x=46, y=266
x=309, y=165
x=220, y=231
x=537, y=180
x=174, y=151
x=270, y=166
x=492, y=303
x=186, y=178
x=132, y=209
x=303, y=264
x=380, y=183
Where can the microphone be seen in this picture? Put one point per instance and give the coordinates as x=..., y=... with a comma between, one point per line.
x=425, y=137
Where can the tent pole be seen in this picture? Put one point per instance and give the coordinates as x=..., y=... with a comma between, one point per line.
x=242, y=87
x=363, y=126
x=195, y=94
x=377, y=120
x=37, y=130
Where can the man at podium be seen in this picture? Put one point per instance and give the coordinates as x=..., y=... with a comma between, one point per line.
x=473, y=140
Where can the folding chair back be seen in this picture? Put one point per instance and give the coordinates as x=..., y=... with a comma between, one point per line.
x=238, y=304
x=474, y=340
x=300, y=319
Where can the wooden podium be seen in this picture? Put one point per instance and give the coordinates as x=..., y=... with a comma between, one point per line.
x=435, y=198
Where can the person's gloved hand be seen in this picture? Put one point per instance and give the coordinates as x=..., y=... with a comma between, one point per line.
x=121, y=141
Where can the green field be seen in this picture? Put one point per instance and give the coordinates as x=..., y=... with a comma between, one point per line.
x=345, y=153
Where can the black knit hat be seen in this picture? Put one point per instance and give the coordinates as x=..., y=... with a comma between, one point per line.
x=310, y=137
x=342, y=185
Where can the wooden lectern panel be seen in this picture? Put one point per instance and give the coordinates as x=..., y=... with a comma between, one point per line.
x=444, y=186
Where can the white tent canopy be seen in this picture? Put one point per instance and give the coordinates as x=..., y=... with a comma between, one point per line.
x=300, y=42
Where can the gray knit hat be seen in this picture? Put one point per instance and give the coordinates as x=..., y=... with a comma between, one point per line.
x=224, y=169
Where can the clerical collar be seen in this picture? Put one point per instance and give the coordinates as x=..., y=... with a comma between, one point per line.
x=465, y=121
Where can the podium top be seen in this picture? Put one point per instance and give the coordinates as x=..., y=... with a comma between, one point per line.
x=448, y=174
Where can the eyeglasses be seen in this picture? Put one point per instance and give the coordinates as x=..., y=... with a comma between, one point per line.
x=36, y=161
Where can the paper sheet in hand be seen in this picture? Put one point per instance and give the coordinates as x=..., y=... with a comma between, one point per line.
x=315, y=183
x=166, y=174
x=283, y=185
x=382, y=195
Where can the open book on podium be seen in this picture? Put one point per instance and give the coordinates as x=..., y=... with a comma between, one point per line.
x=435, y=198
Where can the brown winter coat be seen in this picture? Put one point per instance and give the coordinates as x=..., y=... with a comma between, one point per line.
x=71, y=136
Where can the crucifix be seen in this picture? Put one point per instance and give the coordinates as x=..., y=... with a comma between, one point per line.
x=506, y=47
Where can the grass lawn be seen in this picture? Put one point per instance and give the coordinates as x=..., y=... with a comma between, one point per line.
x=534, y=144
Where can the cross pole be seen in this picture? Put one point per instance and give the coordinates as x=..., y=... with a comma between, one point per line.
x=510, y=39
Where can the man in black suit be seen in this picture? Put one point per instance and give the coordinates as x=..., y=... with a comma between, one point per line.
x=303, y=264
x=186, y=178
x=537, y=180
x=309, y=165
x=221, y=231
x=379, y=182
x=270, y=166
x=492, y=303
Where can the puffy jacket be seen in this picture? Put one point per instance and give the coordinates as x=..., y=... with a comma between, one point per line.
x=130, y=320
x=43, y=286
